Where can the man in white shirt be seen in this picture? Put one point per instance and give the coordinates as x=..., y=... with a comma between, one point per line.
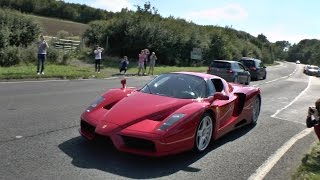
x=97, y=57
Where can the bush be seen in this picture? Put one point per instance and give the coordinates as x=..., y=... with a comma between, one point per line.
x=28, y=55
x=63, y=34
x=53, y=55
x=66, y=58
x=10, y=56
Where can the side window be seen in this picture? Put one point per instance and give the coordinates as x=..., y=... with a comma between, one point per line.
x=217, y=84
x=235, y=66
x=261, y=65
x=211, y=88
x=242, y=67
x=258, y=64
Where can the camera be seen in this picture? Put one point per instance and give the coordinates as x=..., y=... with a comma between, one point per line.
x=312, y=110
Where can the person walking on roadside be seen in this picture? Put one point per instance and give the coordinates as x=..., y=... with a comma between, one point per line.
x=142, y=57
x=42, y=52
x=97, y=57
x=124, y=64
x=152, y=62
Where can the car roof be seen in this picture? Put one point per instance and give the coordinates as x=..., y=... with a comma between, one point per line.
x=228, y=61
x=202, y=75
x=249, y=58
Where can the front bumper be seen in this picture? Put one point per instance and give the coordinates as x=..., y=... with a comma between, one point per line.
x=136, y=142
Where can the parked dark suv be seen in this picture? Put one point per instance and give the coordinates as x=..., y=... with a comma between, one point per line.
x=256, y=68
x=231, y=71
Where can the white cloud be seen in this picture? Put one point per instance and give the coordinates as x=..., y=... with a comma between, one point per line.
x=283, y=33
x=111, y=5
x=233, y=12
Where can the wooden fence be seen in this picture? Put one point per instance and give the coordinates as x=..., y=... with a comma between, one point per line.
x=67, y=45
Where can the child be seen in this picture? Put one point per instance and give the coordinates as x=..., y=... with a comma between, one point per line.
x=124, y=64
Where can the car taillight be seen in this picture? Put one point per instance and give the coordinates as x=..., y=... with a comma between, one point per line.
x=253, y=68
x=229, y=71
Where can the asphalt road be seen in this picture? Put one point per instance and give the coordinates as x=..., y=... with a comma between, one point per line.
x=39, y=136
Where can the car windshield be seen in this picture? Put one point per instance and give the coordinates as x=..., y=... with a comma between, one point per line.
x=248, y=63
x=183, y=86
x=313, y=67
x=220, y=64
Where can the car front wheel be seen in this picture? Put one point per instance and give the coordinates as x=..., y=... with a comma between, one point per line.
x=203, y=133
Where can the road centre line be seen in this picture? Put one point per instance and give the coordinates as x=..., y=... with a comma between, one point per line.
x=264, y=169
x=295, y=99
x=272, y=160
x=284, y=77
x=283, y=119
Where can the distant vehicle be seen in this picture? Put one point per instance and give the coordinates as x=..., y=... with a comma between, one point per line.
x=231, y=71
x=297, y=62
x=312, y=70
x=256, y=67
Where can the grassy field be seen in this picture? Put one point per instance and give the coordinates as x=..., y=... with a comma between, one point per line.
x=310, y=167
x=51, y=26
x=84, y=72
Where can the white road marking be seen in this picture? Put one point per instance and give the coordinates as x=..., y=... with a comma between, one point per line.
x=284, y=77
x=264, y=169
x=295, y=99
x=283, y=119
x=18, y=137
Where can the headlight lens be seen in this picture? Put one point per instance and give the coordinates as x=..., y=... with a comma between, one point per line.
x=172, y=120
x=95, y=103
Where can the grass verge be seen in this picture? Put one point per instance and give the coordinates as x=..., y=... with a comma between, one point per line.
x=75, y=72
x=310, y=167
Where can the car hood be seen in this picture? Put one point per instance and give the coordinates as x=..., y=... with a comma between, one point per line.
x=140, y=106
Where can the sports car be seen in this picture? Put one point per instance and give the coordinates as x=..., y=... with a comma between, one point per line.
x=174, y=112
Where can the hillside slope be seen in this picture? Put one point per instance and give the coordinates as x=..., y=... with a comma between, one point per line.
x=51, y=26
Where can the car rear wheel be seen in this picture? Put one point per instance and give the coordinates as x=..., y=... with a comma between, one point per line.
x=203, y=133
x=256, y=110
x=265, y=76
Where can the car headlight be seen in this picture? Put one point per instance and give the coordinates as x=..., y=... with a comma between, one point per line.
x=95, y=103
x=172, y=120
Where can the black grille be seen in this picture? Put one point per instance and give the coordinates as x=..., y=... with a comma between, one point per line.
x=87, y=127
x=137, y=143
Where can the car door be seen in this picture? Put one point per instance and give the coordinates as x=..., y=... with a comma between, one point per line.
x=261, y=69
x=223, y=108
x=242, y=74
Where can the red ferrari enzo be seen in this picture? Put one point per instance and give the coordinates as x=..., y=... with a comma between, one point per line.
x=172, y=113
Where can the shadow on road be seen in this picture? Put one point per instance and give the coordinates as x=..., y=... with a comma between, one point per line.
x=105, y=157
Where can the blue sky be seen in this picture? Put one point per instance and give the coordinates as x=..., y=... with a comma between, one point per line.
x=277, y=19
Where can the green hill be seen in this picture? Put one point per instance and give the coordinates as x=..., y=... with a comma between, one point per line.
x=50, y=26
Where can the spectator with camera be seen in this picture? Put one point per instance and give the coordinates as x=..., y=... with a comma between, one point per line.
x=313, y=119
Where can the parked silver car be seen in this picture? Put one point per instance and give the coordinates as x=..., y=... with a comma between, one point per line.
x=312, y=70
x=231, y=71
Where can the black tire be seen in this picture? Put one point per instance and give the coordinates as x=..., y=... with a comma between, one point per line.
x=265, y=76
x=256, y=110
x=204, y=132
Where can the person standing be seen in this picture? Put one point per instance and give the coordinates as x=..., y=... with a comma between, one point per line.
x=313, y=118
x=97, y=57
x=152, y=62
x=42, y=52
x=142, y=57
x=124, y=64
x=146, y=59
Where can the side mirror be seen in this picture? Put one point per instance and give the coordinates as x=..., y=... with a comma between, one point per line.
x=124, y=83
x=220, y=96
